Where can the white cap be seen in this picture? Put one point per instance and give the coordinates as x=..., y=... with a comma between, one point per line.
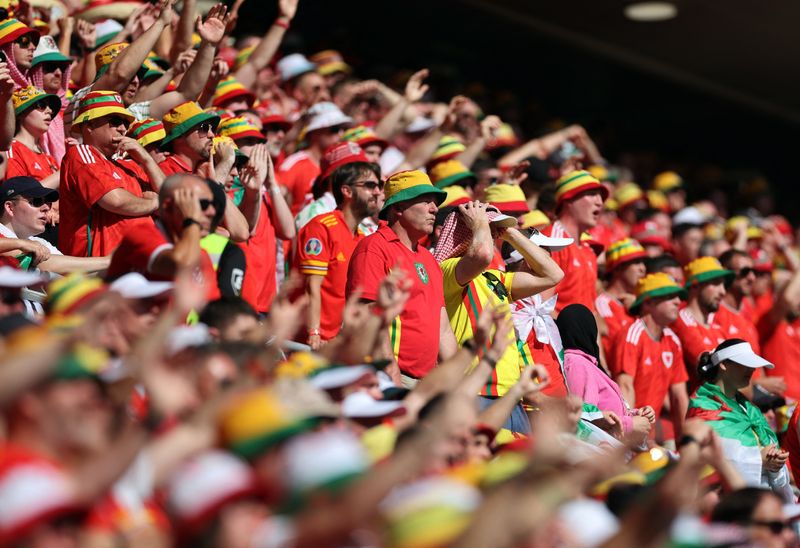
x=500, y=219
x=14, y=277
x=294, y=65
x=360, y=405
x=553, y=244
x=689, y=216
x=135, y=286
x=420, y=123
x=187, y=336
x=337, y=377
x=325, y=115
x=47, y=44
x=320, y=458
x=742, y=354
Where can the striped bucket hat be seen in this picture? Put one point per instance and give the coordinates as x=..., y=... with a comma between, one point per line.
x=456, y=195
x=11, y=29
x=407, y=185
x=179, y=120
x=623, y=252
x=655, y=285
x=147, y=131
x=449, y=147
x=97, y=104
x=106, y=55
x=239, y=127
x=449, y=172
x=705, y=269
x=24, y=98
x=70, y=293
x=364, y=137
x=230, y=88
x=577, y=182
x=507, y=198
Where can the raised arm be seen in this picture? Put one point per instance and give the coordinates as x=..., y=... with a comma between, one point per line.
x=531, y=381
x=138, y=154
x=546, y=273
x=390, y=124
x=266, y=48
x=7, y=119
x=489, y=127
x=480, y=252
x=182, y=38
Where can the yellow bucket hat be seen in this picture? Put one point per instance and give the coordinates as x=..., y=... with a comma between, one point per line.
x=179, y=120
x=655, y=285
x=509, y=199
x=534, y=219
x=577, y=182
x=658, y=200
x=705, y=269
x=449, y=172
x=667, y=181
x=407, y=185
x=24, y=98
x=628, y=194
x=456, y=195
x=753, y=232
x=106, y=55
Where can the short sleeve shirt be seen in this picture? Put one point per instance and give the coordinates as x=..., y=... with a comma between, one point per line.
x=324, y=248
x=24, y=161
x=782, y=348
x=139, y=249
x=172, y=165
x=696, y=338
x=297, y=174
x=414, y=334
x=579, y=264
x=260, y=282
x=654, y=365
x=86, y=229
x=738, y=325
x=464, y=305
x=616, y=317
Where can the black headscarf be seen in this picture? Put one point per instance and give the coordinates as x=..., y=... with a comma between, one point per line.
x=578, y=330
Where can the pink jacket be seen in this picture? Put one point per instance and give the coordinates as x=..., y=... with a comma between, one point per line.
x=585, y=379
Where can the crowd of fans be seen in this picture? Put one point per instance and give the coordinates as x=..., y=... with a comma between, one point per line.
x=248, y=299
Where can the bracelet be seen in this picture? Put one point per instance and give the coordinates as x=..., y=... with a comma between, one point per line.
x=686, y=439
x=282, y=22
x=189, y=222
x=313, y=332
x=469, y=344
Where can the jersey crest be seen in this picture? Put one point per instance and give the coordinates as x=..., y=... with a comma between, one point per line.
x=422, y=274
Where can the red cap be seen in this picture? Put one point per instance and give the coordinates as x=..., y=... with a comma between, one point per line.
x=648, y=233
x=341, y=154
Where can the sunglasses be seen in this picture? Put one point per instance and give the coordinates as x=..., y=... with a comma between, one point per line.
x=116, y=121
x=205, y=204
x=42, y=105
x=775, y=527
x=35, y=202
x=47, y=68
x=370, y=185
x=26, y=40
x=274, y=128
x=745, y=272
x=205, y=127
x=335, y=130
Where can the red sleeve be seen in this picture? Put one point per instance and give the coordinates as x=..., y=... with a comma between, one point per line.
x=137, y=250
x=16, y=165
x=366, y=271
x=91, y=174
x=626, y=356
x=679, y=374
x=313, y=250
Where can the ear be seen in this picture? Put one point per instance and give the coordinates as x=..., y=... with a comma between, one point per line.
x=347, y=191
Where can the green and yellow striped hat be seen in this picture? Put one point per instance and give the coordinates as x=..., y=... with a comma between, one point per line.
x=68, y=294
x=230, y=88
x=705, y=269
x=239, y=127
x=577, y=182
x=655, y=285
x=407, y=185
x=623, y=251
x=449, y=147
x=628, y=194
x=11, y=29
x=147, y=131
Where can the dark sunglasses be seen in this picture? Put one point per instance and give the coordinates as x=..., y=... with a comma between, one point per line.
x=42, y=105
x=745, y=272
x=335, y=129
x=36, y=202
x=496, y=286
x=205, y=127
x=370, y=185
x=26, y=40
x=775, y=527
x=10, y=295
x=205, y=204
x=47, y=68
x=116, y=121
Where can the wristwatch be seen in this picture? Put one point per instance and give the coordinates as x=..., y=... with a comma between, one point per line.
x=686, y=439
x=189, y=222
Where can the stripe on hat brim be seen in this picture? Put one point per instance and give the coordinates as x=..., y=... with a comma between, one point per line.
x=710, y=275
x=658, y=292
x=411, y=193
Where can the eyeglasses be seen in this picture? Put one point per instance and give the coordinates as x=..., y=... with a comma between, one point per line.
x=745, y=272
x=34, y=202
x=205, y=127
x=369, y=185
x=26, y=40
x=775, y=527
x=205, y=204
x=42, y=105
x=335, y=129
x=47, y=68
x=116, y=121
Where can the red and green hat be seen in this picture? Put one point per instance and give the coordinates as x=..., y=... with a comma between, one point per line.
x=705, y=269
x=11, y=29
x=449, y=147
x=24, y=98
x=147, y=131
x=364, y=137
x=181, y=119
x=239, y=127
x=456, y=195
x=271, y=114
x=623, y=252
x=577, y=182
x=329, y=62
x=449, y=172
x=509, y=199
x=230, y=88
x=407, y=185
x=97, y=104
x=655, y=285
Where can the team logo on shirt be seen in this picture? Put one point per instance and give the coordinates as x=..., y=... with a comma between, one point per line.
x=421, y=272
x=313, y=247
x=666, y=357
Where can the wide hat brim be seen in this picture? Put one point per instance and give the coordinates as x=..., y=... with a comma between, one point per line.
x=54, y=100
x=52, y=57
x=184, y=127
x=710, y=275
x=659, y=292
x=96, y=113
x=453, y=179
x=411, y=193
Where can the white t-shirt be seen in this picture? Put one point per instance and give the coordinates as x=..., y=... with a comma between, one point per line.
x=7, y=232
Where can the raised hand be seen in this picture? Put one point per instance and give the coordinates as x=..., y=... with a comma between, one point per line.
x=474, y=215
x=489, y=127
x=257, y=168
x=648, y=413
x=87, y=33
x=6, y=82
x=393, y=294
x=288, y=8
x=131, y=147
x=415, y=88
x=532, y=380
x=219, y=70
x=212, y=30
x=184, y=61
x=188, y=203
x=233, y=17
x=166, y=13
x=451, y=117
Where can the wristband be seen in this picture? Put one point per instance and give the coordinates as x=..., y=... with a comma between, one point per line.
x=189, y=222
x=282, y=22
x=686, y=439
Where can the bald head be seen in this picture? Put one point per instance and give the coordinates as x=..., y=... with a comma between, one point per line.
x=186, y=196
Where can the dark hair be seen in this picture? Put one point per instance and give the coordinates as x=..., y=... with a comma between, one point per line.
x=738, y=506
x=349, y=173
x=658, y=264
x=708, y=371
x=726, y=259
x=682, y=228
x=546, y=202
x=221, y=312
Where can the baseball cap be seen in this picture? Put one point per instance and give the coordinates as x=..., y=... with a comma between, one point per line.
x=135, y=286
x=549, y=242
x=27, y=187
x=341, y=154
x=742, y=354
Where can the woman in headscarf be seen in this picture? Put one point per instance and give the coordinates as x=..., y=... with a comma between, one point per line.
x=585, y=378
